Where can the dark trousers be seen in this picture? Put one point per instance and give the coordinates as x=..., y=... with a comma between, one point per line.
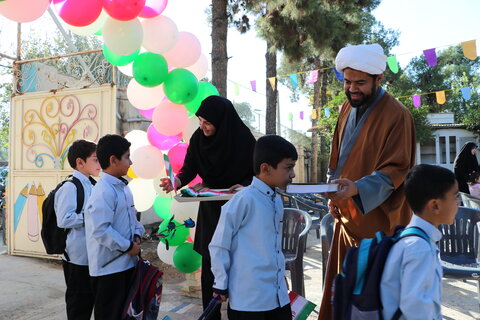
x=110, y=293
x=207, y=280
x=280, y=313
x=79, y=296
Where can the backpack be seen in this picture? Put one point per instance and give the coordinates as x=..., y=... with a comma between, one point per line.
x=357, y=288
x=55, y=238
x=143, y=299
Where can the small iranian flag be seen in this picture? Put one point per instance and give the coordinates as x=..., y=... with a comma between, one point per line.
x=300, y=306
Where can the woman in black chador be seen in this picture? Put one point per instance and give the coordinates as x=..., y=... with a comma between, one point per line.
x=465, y=163
x=221, y=153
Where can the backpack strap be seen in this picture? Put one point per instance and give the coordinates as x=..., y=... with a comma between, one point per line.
x=80, y=193
x=362, y=263
x=413, y=231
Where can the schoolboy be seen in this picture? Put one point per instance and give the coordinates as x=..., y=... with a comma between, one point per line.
x=246, y=251
x=82, y=158
x=411, y=283
x=112, y=230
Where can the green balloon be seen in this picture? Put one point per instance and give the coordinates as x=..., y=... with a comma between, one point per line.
x=205, y=90
x=150, y=69
x=174, y=238
x=161, y=206
x=117, y=59
x=181, y=86
x=99, y=32
x=185, y=259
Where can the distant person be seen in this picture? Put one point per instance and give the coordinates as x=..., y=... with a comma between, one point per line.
x=112, y=230
x=465, y=163
x=474, y=184
x=246, y=248
x=221, y=153
x=79, y=298
x=411, y=285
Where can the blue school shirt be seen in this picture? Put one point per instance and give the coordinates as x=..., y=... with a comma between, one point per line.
x=110, y=225
x=65, y=204
x=412, y=278
x=246, y=250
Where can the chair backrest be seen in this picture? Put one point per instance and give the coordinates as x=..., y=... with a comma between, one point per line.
x=326, y=230
x=296, y=224
x=470, y=201
x=311, y=207
x=459, y=244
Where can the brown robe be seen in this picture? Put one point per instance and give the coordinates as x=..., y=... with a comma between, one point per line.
x=386, y=143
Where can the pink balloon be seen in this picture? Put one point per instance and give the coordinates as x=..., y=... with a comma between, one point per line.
x=177, y=156
x=153, y=8
x=79, y=13
x=147, y=162
x=23, y=10
x=169, y=118
x=147, y=113
x=195, y=181
x=186, y=51
x=200, y=67
x=161, y=141
x=123, y=10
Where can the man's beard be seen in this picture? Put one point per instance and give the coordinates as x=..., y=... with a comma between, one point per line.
x=366, y=99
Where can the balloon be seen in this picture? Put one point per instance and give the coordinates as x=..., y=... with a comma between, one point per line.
x=159, y=34
x=92, y=28
x=147, y=113
x=160, y=192
x=174, y=239
x=123, y=37
x=117, y=59
x=177, y=156
x=153, y=8
x=148, y=162
x=123, y=10
x=184, y=210
x=144, y=98
x=199, y=68
x=161, y=206
x=191, y=127
x=24, y=10
x=165, y=255
x=195, y=181
x=205, y=89
x=169, y=119
x=186, y=259
x=181, y=86
x=186, y=51
x=143, y=193
x=78, y=13
x=137, y=138
x=161, y=141
x=126, y=70
x=131, y=174
x=150, y=69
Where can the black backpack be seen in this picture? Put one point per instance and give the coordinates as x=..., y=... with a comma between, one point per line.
x=357, y=288
x=55, y=238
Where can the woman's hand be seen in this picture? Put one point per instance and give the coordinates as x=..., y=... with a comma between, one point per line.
x=234, y=187
x=166, y=184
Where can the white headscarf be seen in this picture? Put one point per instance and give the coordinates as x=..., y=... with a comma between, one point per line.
x=367, y=58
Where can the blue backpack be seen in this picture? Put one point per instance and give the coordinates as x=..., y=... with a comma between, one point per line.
x=357, y=288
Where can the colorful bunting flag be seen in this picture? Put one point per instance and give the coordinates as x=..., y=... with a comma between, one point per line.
x=339, y=75
x=253, y=84
x=393, y=63
x=290, y=116
x=327, y=112
x=466, y=93
x=301, y=115
x=431, y=57
x=294, y=79
x=236, y=88
x=470, y=49
x=440, y=97
x=313, y=77
x=417, y=100
x=272, y=81
x=314, y=114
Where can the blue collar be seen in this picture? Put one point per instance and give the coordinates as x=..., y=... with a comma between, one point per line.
x=108, y=178
x=433, y=233
x=263, y=187
x=80, y=176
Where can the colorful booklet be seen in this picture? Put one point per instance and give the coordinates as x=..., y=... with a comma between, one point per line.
x=312, y=187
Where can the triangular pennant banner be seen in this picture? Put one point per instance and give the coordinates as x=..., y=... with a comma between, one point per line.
x=313, y=77
x=272, y=82
x=440, y=97
x=301, y=115
x=236, y=88
x=466, y=93
x=392, y=63
x=253, y=84
x=314, y=114
x=470, y=49
x=431, y=57
x=290, y=116
x=294, y=79
x=327, y=112
x=339, y=75
x=417, y=101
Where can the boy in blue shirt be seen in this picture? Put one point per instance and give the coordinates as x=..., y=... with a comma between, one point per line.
x=246, y=250
x=411, y=285
x=82, y=158
x=112, y=230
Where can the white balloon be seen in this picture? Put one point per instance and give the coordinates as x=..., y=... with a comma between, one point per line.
x=123, y=37
x=144, y=98
x=91, y=28
x=165, y=255
x=147, y=162
x=126, y=69
x=199, y=68
x=184, y=210
x=137, y=138
x=159, y=34
x=143, y=193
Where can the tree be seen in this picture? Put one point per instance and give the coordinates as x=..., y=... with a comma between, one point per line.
x=219, y=45
x=244, y=110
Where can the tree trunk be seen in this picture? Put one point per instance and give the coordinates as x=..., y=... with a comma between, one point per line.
x=315, y=136
x=271, y=112
x=324, y=156
x=219, y=46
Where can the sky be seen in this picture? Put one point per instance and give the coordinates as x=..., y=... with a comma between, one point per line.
x=423, y=24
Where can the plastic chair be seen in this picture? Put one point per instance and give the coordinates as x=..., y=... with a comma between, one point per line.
x=459, y=246
x=469, y=201
x=326, y=228
x=296, y=224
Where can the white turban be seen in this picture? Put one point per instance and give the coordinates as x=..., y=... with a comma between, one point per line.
x=367, y=58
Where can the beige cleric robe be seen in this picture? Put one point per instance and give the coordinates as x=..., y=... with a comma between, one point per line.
x=386, y=143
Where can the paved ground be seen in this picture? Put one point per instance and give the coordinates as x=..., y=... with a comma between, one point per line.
x=33, y=289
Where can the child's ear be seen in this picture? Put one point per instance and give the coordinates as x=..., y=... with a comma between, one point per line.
x=79, y=162
x=112, y=160
x=264, y=168
x=433, y=205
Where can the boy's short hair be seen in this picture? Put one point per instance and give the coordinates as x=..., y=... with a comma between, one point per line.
x=80, y=149
x=425, y=182
x=272, y=149
x=111, y=145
